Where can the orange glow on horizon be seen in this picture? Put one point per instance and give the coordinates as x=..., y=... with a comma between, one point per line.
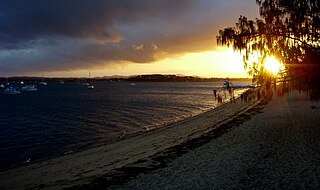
x=221, y=63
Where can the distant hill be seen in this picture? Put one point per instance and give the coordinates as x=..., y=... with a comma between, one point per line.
x=175, y=78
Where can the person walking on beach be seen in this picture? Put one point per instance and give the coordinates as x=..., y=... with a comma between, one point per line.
x=215, y=94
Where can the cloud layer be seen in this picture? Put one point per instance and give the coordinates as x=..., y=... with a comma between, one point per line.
x=56, y=35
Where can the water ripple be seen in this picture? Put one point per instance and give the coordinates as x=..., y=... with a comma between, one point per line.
x=60, y=120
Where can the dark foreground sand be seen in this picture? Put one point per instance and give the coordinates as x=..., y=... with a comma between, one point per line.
x=276, y=149
x=239, y=145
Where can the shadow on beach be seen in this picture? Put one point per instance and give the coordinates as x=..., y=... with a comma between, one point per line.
x=276, y=146
x=312, y=90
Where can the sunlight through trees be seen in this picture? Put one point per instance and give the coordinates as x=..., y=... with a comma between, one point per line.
x=289, y=31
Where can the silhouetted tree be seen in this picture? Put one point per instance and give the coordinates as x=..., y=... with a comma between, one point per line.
x=288, y=30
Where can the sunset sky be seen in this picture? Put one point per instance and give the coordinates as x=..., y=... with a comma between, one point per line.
x=119, y=37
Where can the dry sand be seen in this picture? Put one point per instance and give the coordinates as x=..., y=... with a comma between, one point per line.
x=114, y=164
x=276, y=149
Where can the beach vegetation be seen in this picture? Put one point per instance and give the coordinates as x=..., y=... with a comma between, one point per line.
x=288, y=31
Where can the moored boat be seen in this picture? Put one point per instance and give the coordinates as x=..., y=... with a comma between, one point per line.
x=227, y=85
x=11, y=91
x=43, y=83
x=29, y=88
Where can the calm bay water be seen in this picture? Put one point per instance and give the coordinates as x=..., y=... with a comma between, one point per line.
x=61, y=119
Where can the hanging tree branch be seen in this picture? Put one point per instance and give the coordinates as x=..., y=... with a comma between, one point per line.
x=289, y=30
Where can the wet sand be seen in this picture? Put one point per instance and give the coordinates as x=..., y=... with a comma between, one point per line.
x=278, y=148
x=115, y=164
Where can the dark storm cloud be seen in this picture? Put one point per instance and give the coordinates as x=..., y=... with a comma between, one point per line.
x=71, y=34
x=33, y=19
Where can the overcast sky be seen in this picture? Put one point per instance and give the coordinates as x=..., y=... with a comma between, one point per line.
x=67, y=35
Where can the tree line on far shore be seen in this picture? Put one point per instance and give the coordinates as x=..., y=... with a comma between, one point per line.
x=137, y=78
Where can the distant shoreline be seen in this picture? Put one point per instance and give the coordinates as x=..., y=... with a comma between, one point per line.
x=136, y=78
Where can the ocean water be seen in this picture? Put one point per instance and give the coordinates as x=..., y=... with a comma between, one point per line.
x=62, y=119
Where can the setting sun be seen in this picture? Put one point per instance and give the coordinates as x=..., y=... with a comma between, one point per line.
x=273, y=65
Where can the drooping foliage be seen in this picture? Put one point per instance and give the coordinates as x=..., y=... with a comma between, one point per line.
x=288, y=30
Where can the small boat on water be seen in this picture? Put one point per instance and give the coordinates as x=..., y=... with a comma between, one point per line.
x=29, y=88
x=227, y=85
x=132, y=84
x=1, y=85
x=11, y=91
x=89, y=86
x=42, y=82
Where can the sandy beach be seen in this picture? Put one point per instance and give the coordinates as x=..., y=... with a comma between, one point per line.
x=241, y=144
x=276, y=149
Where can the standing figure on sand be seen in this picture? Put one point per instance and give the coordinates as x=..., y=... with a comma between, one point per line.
x=218, y=93
x=217, y=96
